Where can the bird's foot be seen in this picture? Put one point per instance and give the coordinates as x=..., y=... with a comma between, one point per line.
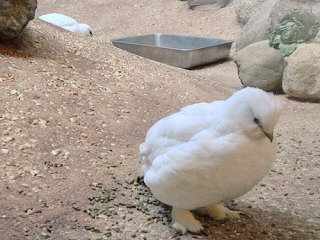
x=220, y=212
x=183, y=221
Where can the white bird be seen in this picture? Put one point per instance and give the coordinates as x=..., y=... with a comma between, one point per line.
x=67, y=23
x=209, y=153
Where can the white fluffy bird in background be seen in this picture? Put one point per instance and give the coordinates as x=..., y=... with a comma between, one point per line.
x=67, y=23
x=209, y=153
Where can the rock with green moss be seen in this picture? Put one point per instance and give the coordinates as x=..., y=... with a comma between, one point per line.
x=267, y=16
x=297, y=27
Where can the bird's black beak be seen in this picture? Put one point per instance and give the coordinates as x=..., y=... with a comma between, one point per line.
x=269, y=135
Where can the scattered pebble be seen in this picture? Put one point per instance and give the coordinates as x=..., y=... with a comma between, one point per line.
x=45, y=234
x=39, y=121
x=5, y=151
x=7, y=138
x=55, y=152
x=34, y=172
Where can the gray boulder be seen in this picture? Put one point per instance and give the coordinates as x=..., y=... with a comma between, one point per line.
x=14, y=16
x=317, y=38
x=260, y=66
x=301, y=77
x=244, y=9
x=267, y=16
x=220, y=3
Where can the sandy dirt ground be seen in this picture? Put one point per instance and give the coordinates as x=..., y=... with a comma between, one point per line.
x=74, y=110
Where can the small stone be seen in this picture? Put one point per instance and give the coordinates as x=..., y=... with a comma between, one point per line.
x=75, y=207
x=66, y=155
x=101, y=216
x=5, y=151
x=40, y=122
x=60, y=111
x=84, y=135
x=29, y=211
x=11, y=177
x=13, y=92
x=7, y=138
x=55, y=152
x=34, y=172
x=35, y=189
x=25, y=146
x=45, y=234
x=36, y=102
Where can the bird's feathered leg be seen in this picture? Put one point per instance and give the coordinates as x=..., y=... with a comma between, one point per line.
x=219, y=212
x=183, y=221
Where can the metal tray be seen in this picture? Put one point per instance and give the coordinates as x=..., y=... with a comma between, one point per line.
x=176, y=50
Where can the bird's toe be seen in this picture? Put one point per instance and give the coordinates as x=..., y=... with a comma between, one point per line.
x=179, y=227
x=195, y=227
x=183, y=221
x=221, y=212
x=191, y=226
x=232, y=214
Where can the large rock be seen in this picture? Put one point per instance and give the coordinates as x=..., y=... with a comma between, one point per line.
x=301, y=78
x=245, y=9
x=267, y=16
x=220, y=3
x=14, y=16
x=260, y=66
x=317, y=38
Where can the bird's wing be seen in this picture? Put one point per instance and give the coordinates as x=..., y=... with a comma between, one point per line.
x=177, y=129
x=183, y=125
x=210, y=168
x=58, y=19
x=169, y=132
x=202, y=108
x=188, y=168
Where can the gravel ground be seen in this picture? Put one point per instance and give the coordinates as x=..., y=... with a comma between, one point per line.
x=74, y=111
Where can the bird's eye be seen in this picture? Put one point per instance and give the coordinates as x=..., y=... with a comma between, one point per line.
x=256, y=120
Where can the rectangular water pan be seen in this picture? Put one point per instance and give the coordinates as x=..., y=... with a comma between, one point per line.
x=176, y=50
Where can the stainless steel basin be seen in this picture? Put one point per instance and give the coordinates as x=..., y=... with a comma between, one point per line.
x=176, y=50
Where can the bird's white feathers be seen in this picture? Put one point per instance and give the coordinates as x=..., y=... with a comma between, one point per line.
x=67, y=23
x=211, y=152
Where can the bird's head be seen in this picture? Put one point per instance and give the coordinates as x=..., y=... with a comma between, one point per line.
x=81, y=29
x=85, y=29
x=256, y=111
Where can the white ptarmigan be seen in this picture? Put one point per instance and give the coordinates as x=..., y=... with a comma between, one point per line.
x=209, y=153
x=67, y=23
